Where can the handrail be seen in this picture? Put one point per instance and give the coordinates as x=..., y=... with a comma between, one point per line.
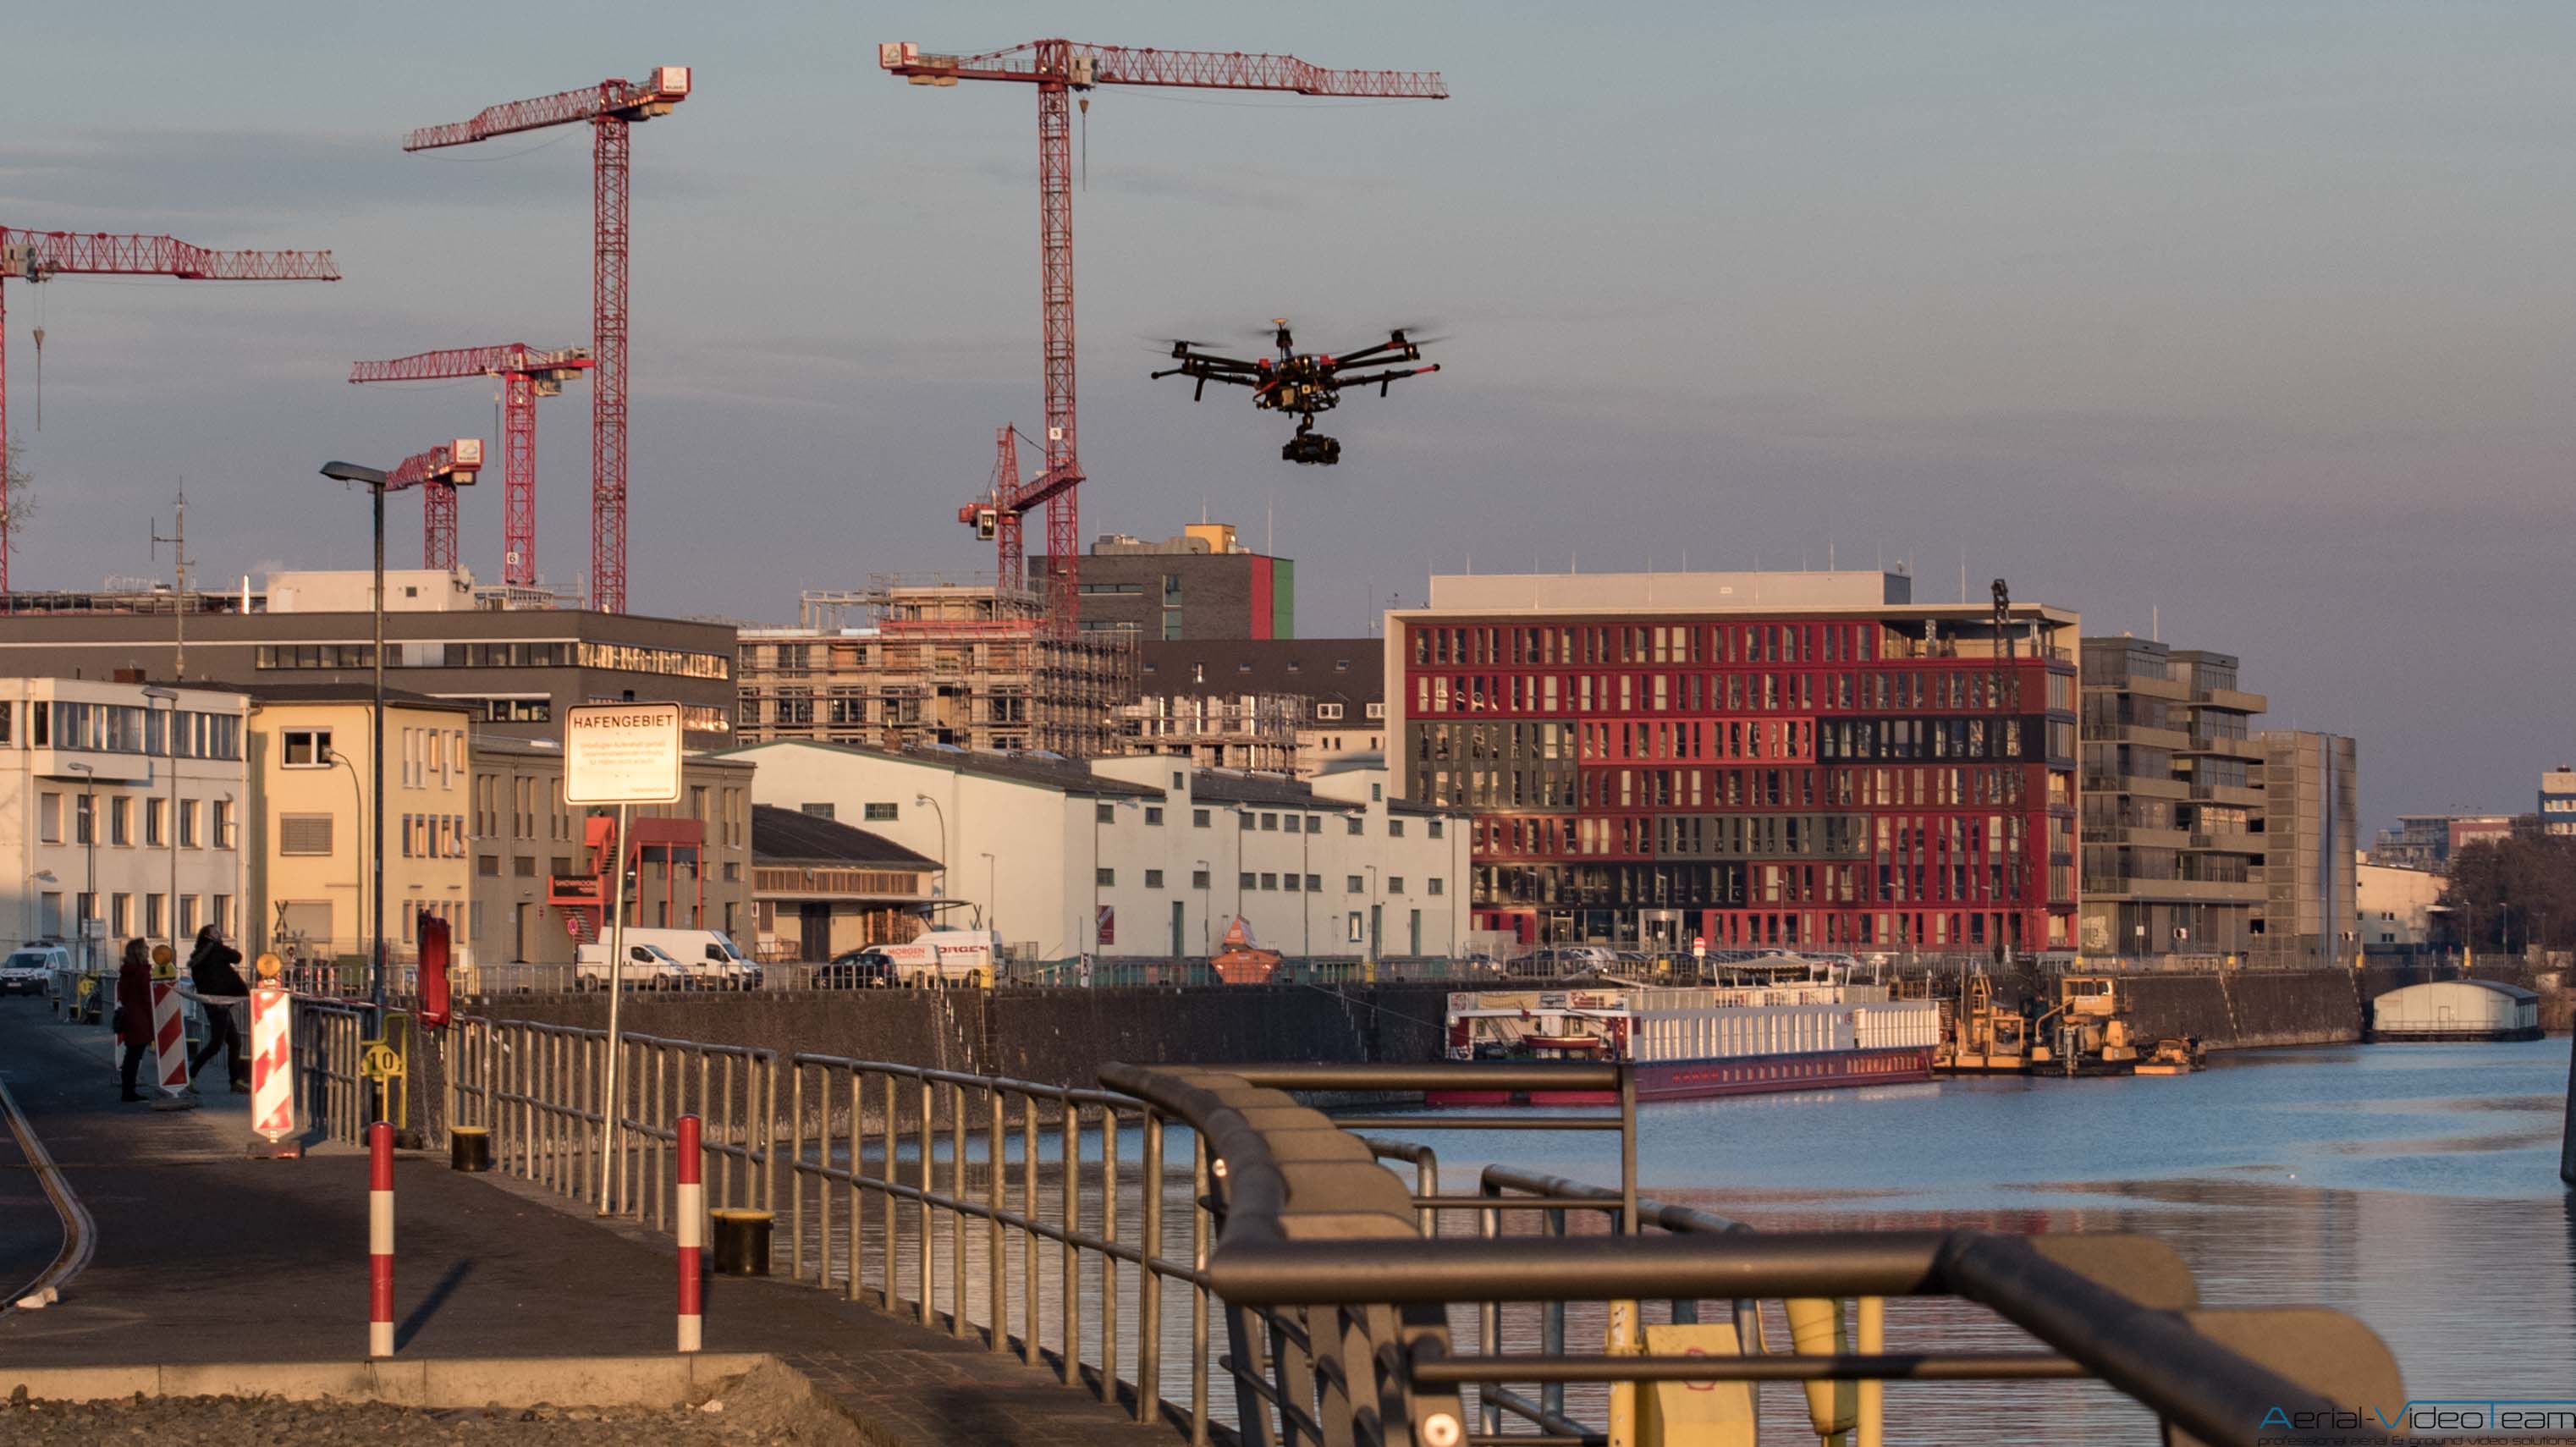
x=2150, y=1351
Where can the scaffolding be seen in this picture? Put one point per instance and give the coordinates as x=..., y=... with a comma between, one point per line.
x=940, y=660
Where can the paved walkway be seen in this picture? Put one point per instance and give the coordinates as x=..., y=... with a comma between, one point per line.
x=206, y=1256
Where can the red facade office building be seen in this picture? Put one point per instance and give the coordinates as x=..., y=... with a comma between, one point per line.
x=1792, y=760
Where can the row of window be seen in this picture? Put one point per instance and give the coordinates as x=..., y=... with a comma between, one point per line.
x=115, y=728
x=558, y=653
x=1656, y=643
x=121, y=811
x=123, y=920
x=1107, y=878
x=1873, y=691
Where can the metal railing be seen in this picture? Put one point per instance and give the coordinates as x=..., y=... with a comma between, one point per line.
x=1339, y=1310
x=332, y=1093
x=539, y=1089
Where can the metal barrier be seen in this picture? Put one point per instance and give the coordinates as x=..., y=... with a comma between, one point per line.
x=538, y=1089
x=329, y=1044
x=1100, y=1217
x=1339, y=1310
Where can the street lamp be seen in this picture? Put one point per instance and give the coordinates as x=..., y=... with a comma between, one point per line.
x=170, y=821
x=941, y=888
x=374, y=479
x=89, y=836
x=357, y=806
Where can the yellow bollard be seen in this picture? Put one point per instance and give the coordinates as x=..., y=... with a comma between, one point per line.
x=1695, y=1414
x=1816, y=1329
x=1622, y=1341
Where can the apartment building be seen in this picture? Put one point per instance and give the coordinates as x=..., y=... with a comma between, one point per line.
x=962, y=664
x=108, y=789
x=2308, y=817
x=2173, y=853
x=1754, y=759
x=2558, y=801
x=311, y=820
x=1279, y=705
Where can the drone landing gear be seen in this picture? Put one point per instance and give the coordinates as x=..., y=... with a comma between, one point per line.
x=1311, y=448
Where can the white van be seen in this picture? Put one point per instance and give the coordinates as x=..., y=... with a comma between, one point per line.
x=713, y=960
x=940, y=957
x=647, y=967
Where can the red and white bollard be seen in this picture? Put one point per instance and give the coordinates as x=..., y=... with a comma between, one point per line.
x=380, y=1240
x=692, y=1227
x=272, y=1079
x=169, y=1041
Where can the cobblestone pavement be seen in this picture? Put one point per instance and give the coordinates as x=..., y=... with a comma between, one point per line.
x=270, y=1422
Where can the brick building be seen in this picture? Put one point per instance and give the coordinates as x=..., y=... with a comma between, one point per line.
x=1761, y=759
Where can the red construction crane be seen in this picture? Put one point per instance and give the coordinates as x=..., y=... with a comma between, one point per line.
x=996, y=518
x=37, y=255
x=438, y=473
x=1058, y=68
x=526, y=374
x=610, y=107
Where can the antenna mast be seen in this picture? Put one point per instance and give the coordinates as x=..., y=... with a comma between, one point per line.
x=179, y=601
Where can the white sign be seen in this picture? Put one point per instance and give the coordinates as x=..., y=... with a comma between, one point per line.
x=622, y=753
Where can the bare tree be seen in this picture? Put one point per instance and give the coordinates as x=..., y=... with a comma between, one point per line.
x=18, y=505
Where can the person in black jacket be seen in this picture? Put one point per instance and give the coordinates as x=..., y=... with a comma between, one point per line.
x=219, y=986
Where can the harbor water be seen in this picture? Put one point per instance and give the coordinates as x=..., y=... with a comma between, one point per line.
x=2415, y=1186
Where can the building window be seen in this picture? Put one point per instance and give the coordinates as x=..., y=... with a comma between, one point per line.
x=878, y=813
x=1104, y=813
x=1198, y=879
x=819, y=811
x=1328, y=710
x=1314, y=884
x=303, y=833
x=305, y=748
x=1243, y=817
x=1395, y=884
x=120, y=915
x=155, y=830
x=1270, y=822
x=1436, y=885
x=222, y=913
x=187, y=823
x=49, y=818
x=154, y=908
x=1270, y=882
x=1153, y=813
x=1377, y=793
x=85, y=819
x=1105, y=878
x=1243, y=883
x=1314, y=823
x=1394, y=828
x=1436, y=829
x=1288, y=882
x=188, y=909
x=1198, y=818
x=1378, y=710
x=1354, y=885
x=120, y=820
x=1355, y=824
x=223, y=835
x=1179, y=780
x=1153, y=879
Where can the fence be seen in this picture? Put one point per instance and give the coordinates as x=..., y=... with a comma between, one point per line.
x=1288, y=1288
x=332, y=1093
x=541, y=1091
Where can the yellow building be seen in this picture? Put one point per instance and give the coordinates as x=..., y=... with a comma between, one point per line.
x=311, y=777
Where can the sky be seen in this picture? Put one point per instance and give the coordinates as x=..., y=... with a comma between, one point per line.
x=2248, y=325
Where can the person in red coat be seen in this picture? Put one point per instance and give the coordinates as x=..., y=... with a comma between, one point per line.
x=134, y=1009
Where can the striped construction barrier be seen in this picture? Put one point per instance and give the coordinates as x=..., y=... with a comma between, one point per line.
x=692, y=1230
x=169, y=1039
x=272, y=1077
x=380, y=1240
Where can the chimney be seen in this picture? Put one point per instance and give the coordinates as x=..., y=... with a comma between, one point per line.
x=126, y=675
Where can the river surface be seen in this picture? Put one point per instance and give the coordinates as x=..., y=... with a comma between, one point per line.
x=2414, y=1186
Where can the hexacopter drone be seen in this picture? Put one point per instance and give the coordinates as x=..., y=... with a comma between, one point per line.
x=1303, y=383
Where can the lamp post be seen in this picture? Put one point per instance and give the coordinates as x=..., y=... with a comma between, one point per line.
x=89, y=837
x=939, y=889
x=374, y=481
x=992, y=910
x=170, y=820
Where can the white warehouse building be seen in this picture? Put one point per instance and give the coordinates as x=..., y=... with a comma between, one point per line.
x=1148, y=857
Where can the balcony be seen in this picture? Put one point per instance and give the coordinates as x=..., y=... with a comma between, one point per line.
x=2246, y=749
x=2178, y=891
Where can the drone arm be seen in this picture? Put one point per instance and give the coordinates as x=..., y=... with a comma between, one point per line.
x=1383, y=380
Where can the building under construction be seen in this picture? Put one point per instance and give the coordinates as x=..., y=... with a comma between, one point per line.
x=936, y=660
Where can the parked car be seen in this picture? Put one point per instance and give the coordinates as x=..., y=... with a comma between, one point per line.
x=646, y=968
x=861, y=969
x=713, y=960
x=29, y=969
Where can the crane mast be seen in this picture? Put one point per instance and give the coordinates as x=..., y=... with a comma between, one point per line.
x=526, y=373
x=1058, y=68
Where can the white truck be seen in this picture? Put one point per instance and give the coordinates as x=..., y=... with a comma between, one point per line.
x=712, y=959
x=647, y=967
x=950, y=957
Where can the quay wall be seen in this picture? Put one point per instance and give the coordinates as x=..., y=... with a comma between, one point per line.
x=1055, y=1037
